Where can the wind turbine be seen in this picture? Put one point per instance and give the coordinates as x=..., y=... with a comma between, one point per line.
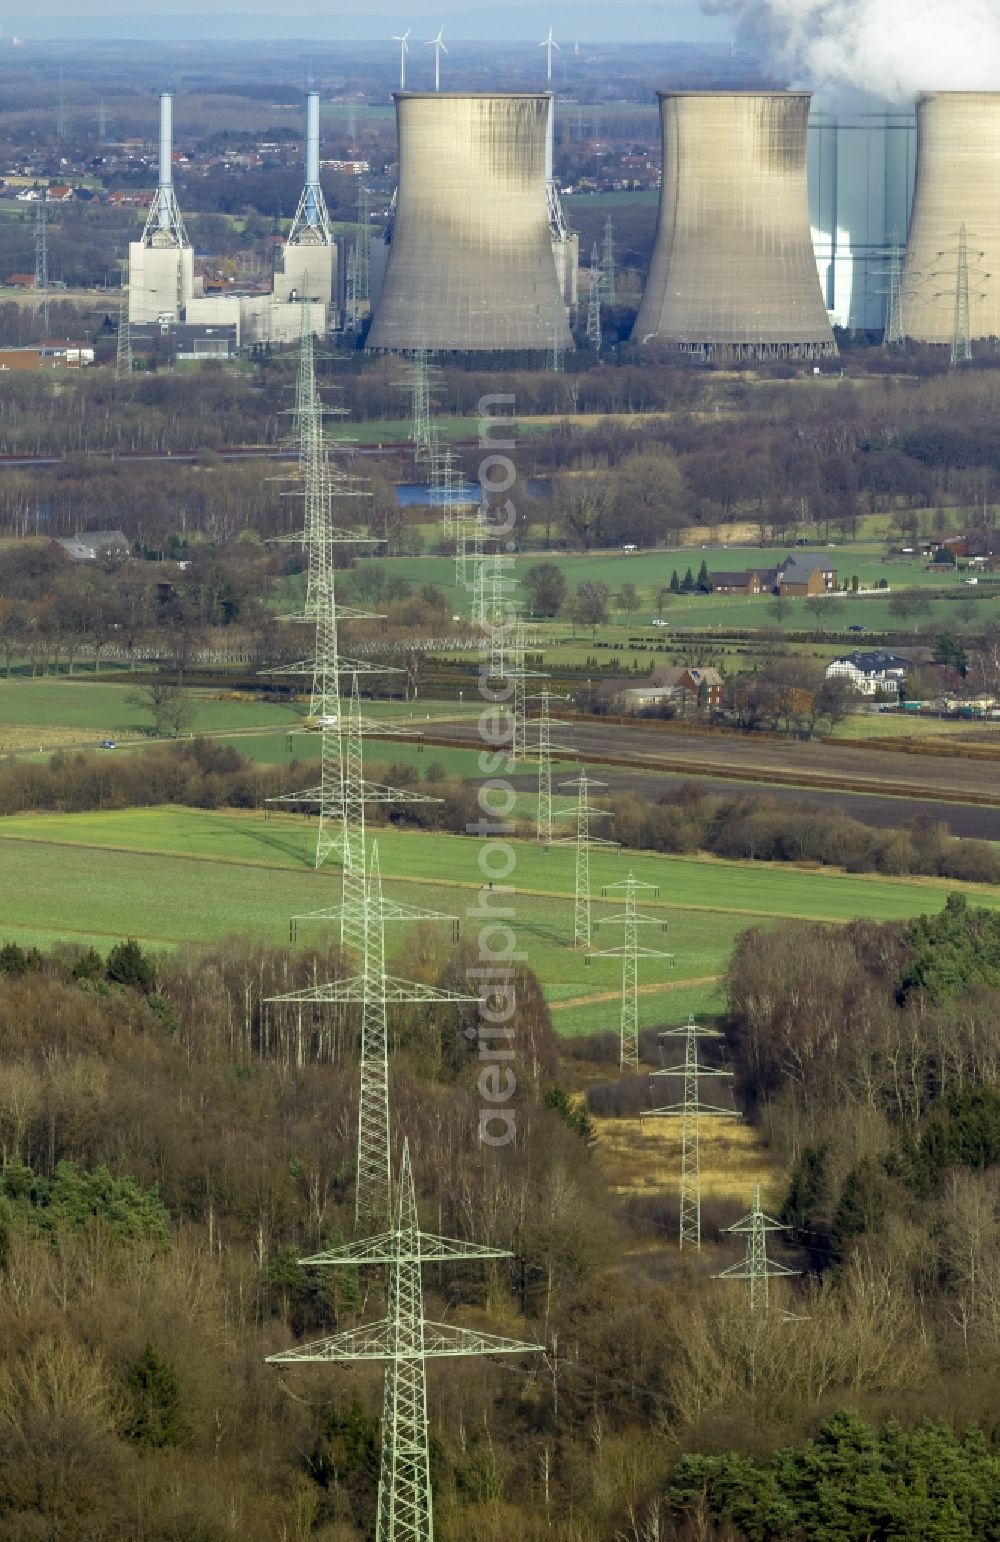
x=550, y=43
x=404, y=49
x=437, y=43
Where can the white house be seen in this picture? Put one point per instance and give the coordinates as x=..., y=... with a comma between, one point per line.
x=870, y=673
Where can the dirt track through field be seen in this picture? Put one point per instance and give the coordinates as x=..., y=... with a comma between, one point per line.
x=882, y=787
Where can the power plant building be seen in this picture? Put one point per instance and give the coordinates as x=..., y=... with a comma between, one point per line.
x=734, y=275
x=952, y=268
x=161, y=264
x=861, y=172
x=164, y=289
x=471, y=265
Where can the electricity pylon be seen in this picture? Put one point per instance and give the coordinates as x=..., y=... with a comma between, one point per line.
x=123, y=351
x=609, y=286
x=584, y=842
x=691, y=1111
x=756, y=1267
x=894, y=312
x=520, y=674
x=350, y=913
x=375, y=991
x=41, y=299
x=102, y=121
x=630, y=953
x=595, y=336
x=325, y=665
x=360, y=265
x=543, y=750
x=961, y=341
x=468, y=549
x=557, y=354
x=405, y=1340
x=417, y=380
x=446, y=485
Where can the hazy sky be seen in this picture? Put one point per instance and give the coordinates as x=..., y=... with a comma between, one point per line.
x=244, y=20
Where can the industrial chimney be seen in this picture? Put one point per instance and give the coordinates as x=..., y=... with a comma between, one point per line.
x=951, y=280
x=471, y=263
x=308, y=267
x=733, y=274
x=161, y=264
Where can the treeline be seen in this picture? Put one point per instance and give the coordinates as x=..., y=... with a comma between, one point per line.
x=171, y=1145
x=196, y=772
x=760, y=827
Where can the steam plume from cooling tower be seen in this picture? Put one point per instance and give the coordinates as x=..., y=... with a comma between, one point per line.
x=893, y=48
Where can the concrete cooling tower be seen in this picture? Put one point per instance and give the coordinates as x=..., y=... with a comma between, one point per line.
x=733, y=274
x=958, y=186
x=471, y=266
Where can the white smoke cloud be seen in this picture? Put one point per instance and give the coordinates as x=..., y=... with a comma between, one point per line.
x=893, y=48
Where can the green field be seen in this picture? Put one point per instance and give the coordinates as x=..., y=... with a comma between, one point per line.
x=649, y=570
x=196, y=877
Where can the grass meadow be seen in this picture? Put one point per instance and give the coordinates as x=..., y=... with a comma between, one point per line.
x=195, y=877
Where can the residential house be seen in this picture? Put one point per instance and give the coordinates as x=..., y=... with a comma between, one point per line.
x=871, y=674
x=20, y=281
x=806, y=574
x=91, y=544
x=979, y=546
x=683, y=686
x=751, y=582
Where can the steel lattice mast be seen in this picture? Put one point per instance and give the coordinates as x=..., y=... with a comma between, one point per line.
x=691, y=1111
x=40, y=304
x=374, y=990
x=123, y=340
x=630, y=953
x=894, y=314
x=405, y=1340
x=756, y=1267
x=584, y=841
x=358, y=792
x=608, y=279
x=595, y=335
x=961, y=342
x=543, y=750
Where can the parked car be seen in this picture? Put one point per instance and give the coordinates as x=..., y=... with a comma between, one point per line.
x=855, y=628
x=107, y=744
x=659, y=621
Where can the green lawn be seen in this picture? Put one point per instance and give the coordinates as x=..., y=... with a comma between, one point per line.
x=96, y=706
x=649, y=570
x=194, y=876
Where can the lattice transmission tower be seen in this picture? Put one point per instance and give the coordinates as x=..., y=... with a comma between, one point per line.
x=325, y=666
x=595, y=335
x=756, y=1268
x=123, y=341
x=40, y=306
x=405, y=1340
x=630, y=952
x=961, y=342
x=359, y=266
x=609, y=278
x=585, y=842
x=349, y=914
x=894, y=305
x=690, y=1112
x=542, y=750
x=375, y=991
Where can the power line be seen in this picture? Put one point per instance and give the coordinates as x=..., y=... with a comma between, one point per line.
x=630, y=953
x=584, y=842
x=405, y=1340
x=690, y=1112
x=756, y=1268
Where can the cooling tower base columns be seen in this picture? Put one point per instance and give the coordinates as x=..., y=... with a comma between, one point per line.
x=733, y=271
x=754, y=353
